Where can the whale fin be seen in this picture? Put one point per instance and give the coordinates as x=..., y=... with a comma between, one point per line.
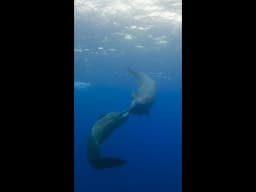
x=107, y=162
x=126, y=113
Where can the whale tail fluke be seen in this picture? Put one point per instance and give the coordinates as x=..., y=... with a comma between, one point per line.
x=107, y=162
x=98, y=162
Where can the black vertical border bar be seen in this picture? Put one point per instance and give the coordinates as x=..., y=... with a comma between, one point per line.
x=201, y=96
x=41, y=78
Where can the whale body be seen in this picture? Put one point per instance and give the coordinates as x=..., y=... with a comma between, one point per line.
x=101, y=130
x=145, y=95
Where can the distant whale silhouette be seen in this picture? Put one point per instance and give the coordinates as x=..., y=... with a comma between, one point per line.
x=102, y=129
x=145, y=95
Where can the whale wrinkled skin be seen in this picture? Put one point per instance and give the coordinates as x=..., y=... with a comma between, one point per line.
x=144, y=98
x=101, y=130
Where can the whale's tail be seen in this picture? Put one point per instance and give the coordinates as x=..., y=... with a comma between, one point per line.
x=107, y=162
x=97, y=162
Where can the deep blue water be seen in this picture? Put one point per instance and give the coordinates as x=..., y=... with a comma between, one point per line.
x=150, y=144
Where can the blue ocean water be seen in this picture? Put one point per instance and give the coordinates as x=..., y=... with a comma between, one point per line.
x=104, y=47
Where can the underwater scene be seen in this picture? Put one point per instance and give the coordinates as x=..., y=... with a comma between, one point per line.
x=128, y=93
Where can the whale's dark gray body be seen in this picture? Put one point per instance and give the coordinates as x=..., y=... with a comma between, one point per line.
x=106, y=124
x=101, y=129
x=145, y=95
